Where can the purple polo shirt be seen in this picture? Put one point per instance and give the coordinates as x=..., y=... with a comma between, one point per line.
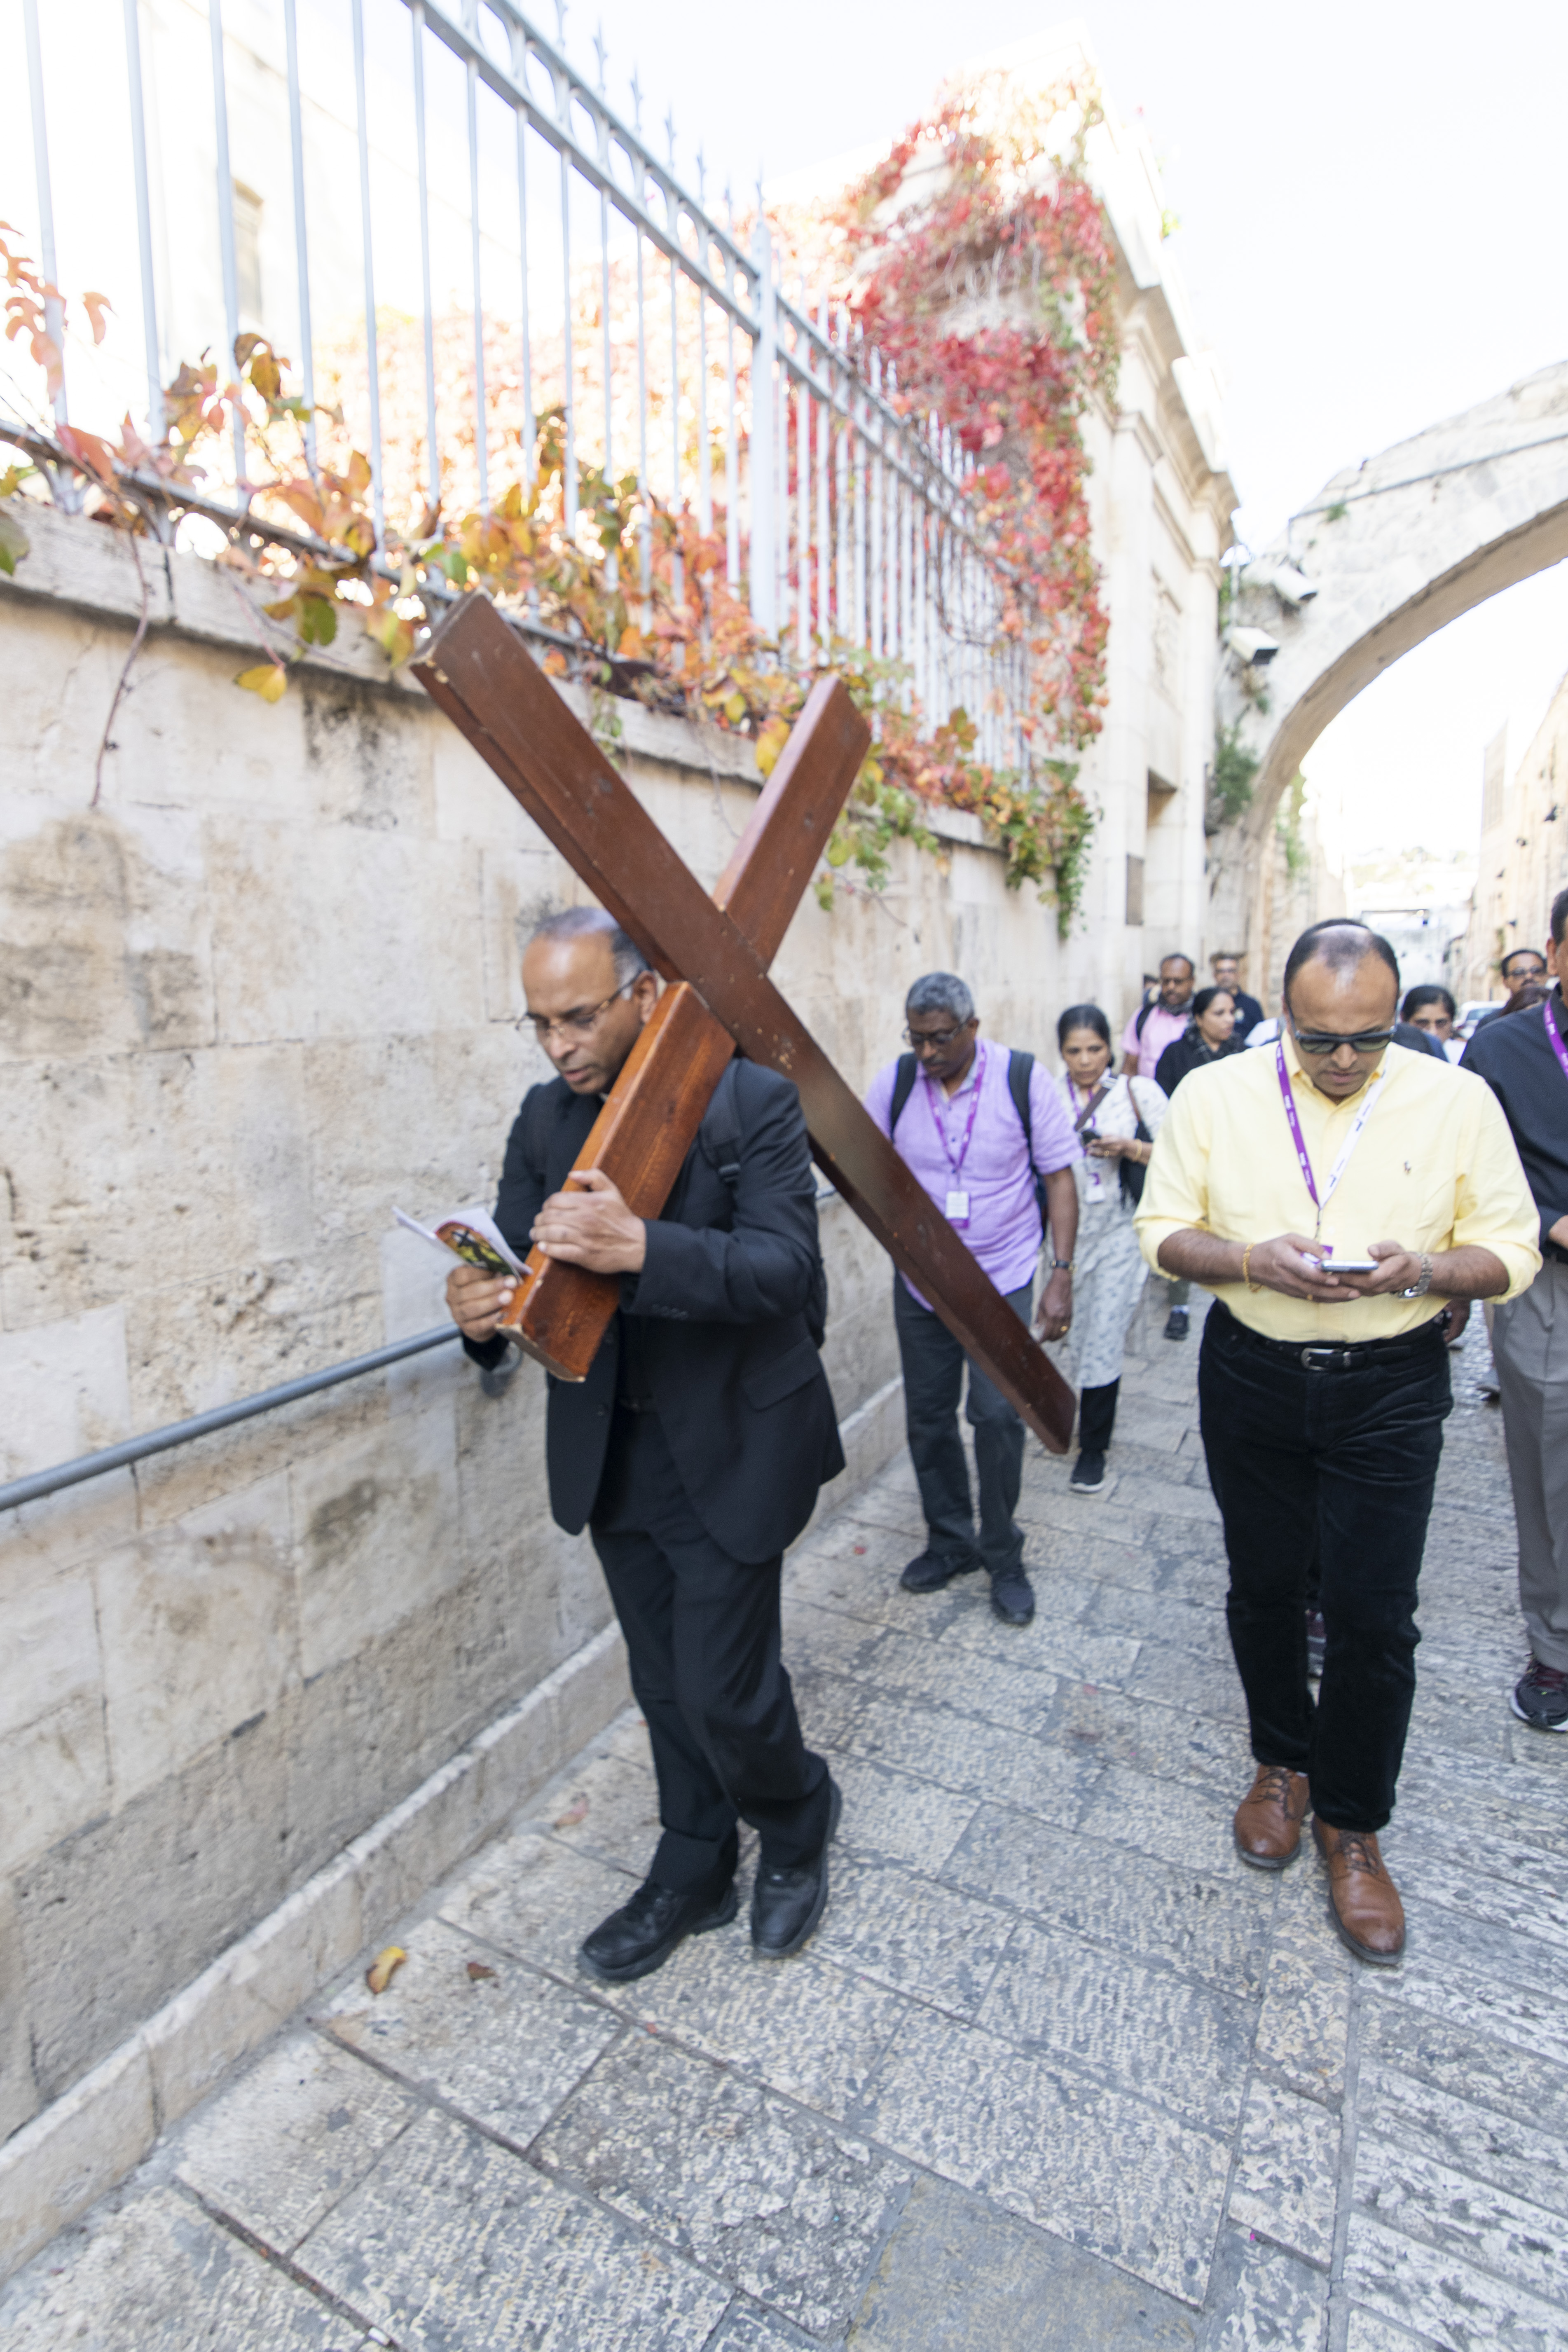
x=1160, y=1029
x=1004, y=1228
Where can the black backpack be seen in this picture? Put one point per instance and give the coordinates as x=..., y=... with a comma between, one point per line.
x=1020, y=1070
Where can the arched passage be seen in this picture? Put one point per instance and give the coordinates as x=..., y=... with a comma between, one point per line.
x=1391, y=551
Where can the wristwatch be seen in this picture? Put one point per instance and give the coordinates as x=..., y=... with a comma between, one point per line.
x=1419, y=1289
x=1061, y=1265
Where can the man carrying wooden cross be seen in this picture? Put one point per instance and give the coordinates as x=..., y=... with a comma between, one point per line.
x=693, y=1450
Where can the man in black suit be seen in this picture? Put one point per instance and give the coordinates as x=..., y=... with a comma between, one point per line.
x=693, y=1451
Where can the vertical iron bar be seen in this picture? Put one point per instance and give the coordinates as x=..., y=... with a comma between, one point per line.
x=645, y=528
x=732, y=450
x=157, y=421
x=432, y=440
x=844, y=616
x=824, y=451
x=568, y=371
x=54, y=311
x=372, y=374
x=225, y=238
x=301, y=243
x=530, y=429
x=481, y=417
x=803, y=505
x=761, y=563
x=704, y=453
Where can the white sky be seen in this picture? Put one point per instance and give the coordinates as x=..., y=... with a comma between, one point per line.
x=1371, y=205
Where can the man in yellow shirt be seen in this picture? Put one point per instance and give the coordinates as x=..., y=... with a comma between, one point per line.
x=1323, y=1390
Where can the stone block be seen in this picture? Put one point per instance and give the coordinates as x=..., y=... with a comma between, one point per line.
x=1442, y=2298
x=1261, y=2299
x=63, y=1388
x=1519, y=2239
x=1304, y=2030
x=56, y=2166
x=49, y=1640
x=957, y=2276
x=56, y=1777
x=500, y=2257
x=1500, y=2124
x=504, y=2048
x=19, y=2091
x=534, y=1896
x=198, y=1632
x=783, y=2206
x=158, y=2274
x=421, y=973
x=368, y=754
x=903, y=1932
x=1286, y=2172
x=288, y=2141
x=889, y=1816
x=375, y=1525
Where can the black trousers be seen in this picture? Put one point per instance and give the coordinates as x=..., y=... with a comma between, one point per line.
x=933, y=1365
x=702, y=1635
x=1332, y=1469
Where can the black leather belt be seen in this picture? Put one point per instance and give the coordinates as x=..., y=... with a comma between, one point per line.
x=1341, y=1356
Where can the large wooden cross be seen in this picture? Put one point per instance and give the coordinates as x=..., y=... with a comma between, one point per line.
x=714, y=952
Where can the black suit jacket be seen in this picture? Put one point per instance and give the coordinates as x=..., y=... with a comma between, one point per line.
x=1515, y=1057
x=719, y=1302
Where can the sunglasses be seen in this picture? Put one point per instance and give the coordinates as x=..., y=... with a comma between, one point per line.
x=1318, y=1041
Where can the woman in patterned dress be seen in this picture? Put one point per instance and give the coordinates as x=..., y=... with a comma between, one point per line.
x=1108, y=1112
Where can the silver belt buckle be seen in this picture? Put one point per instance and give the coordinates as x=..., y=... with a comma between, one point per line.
x=1319, y=1358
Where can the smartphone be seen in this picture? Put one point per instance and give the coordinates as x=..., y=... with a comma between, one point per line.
x=1347, y=1264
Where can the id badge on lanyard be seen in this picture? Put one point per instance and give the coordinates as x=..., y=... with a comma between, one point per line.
x=957, y=1208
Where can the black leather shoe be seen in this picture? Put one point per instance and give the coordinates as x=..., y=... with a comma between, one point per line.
x=640, y=1936
x=1012, y=1594
x=1178, y=1322
x=932, y=1570
x=786, y=1905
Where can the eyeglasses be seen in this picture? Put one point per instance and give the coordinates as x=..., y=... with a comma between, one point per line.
x=1514, y=970
x=939, y=1038
x=573, y=1024
x=1366, y=1040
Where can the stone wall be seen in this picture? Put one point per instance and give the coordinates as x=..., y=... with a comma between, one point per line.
x=261, y=993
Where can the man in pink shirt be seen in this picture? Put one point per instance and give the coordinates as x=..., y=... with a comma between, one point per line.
x=976, y=1126
x=1154, y=1026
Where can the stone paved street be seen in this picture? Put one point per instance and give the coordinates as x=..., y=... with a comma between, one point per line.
x=1057, y=2074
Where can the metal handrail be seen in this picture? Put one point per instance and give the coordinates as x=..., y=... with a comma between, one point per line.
x=223, y=1416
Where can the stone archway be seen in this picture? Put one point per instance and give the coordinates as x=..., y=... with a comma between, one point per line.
x=1388, y=553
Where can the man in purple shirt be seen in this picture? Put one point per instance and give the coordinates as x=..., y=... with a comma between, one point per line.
x=953, y=1110
x=1154, y=1026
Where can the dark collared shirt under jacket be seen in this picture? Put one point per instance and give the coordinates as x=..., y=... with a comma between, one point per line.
x=1515, y=1057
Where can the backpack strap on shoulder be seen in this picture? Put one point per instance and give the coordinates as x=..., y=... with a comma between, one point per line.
x=904, y=1087
x=1020, y=1070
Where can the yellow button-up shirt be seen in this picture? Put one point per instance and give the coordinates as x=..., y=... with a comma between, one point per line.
x=1435, y=1169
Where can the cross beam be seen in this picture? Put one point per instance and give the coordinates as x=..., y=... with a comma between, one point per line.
x=478, y=671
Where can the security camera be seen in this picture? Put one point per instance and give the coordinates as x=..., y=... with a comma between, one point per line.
x=1290, y=585
x=1252, y=649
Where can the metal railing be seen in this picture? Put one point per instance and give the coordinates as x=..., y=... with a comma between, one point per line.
x=482, y=196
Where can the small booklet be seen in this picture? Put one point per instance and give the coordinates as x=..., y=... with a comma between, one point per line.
x=471, y=1234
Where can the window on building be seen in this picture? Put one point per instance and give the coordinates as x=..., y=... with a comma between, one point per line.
x=247, y=253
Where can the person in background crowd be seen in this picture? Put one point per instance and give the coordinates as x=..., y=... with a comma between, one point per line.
x=1432, y=1009
x=1155, y=1025
x=1525, y=1062
x=1323, y=1393
x=1117, y=1119
x=977, y=1127
x=1226, y=972
x=1159, y=1020
x=1210, y=1031
x=1520, y=970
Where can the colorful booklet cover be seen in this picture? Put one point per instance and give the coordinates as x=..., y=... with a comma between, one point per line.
x=471, y=1234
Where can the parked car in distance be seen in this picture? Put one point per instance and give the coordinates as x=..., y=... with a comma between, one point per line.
x=1470, y=1013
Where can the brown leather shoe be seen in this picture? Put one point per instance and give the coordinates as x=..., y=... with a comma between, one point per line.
x=1269, y=1817
x=1363, y=1901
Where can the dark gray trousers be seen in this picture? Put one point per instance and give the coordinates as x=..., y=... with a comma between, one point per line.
x=1530, y=1348
x=933, y=1365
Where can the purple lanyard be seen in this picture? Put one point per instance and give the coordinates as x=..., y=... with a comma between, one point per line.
x=1558, y=1047
x=1351, y=1139
x=957, y=1165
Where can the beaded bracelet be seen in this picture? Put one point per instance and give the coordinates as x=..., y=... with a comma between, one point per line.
x=1245, y=1258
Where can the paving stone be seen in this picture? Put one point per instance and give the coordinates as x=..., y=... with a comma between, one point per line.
x=957, y=2276
x=1164, y=1742
x=889, y=1816
x=804, y=2026
x=1108, y=2171
x=1175, y=1677
x=825, y=1641
x=1454, y=2055
x=1528, y=1909
x=609, y=1808
x=1287, y=2171
x=747, y=2330
x=923, y=1939
x=1444, y=2299
x=1143, y=2028
x=1262, y=2299
x=1304, y=2030
x=505, y=2048
x=977, y=1759
x=1366, y=2332
x=741, y=2182
x=536, y=1897
x=1156, y=1617
x=1169, y=1819
x=452, y=2244
x=972, y=1681
x=1411, y=2191
x=292, y=2136
x=1517, y=2150
x=1213, y=1928
x=157, y=2275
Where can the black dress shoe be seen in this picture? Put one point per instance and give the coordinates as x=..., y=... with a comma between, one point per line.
x=788, y=1903
x=1012, y=1594
x=1177, y=1323
x=640, y=1936
x=932, y=1570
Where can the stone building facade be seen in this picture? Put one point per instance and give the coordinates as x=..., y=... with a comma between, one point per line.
x=1522, y=860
